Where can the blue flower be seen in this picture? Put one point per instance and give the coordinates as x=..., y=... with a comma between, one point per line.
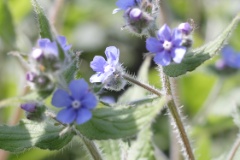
x=230, y=57
x=167, y=46
x=125, y=4
x=46, y=47
x=77, y=103
x=105, y=68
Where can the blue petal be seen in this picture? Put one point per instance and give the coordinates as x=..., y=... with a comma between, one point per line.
x=78, y=88
x=153, y=45
x=125, y=4
x=51, y=48
x=63, y=42
x=42, y=42
x=164, y=33
x=89, y=101
x=97, y=64
x=98, y=77
x=83, y=115
x=177, y=34
x=67, y=115
x=178, y=54
x=162, y=58
x=61, y=98
x=112, y=54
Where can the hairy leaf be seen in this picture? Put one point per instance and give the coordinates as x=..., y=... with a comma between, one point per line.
x=111, y=149
x=7, y=32
x=196, y=57
x=28, y=134
x=142, y=148
x=44, y=26
x=120, y=122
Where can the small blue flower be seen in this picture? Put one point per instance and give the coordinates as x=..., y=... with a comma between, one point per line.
x=105, y=68
x=77, y=103
x=46, y=47
x=230, y=57
x=125, y=4
x=167, y=46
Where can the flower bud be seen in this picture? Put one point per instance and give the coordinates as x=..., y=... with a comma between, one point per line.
x=135, y=14
x=185, y=28
x=29, y=107
x=30, y=76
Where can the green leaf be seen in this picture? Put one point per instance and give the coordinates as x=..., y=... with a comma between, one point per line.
x=142, y=148
x=119, y=122
x=44, y=26
x=111, y=149
x=7, y=32
x=28, y=134
x=196, y=57
x=135, y=92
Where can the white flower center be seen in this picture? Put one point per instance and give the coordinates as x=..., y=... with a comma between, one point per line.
x=167, y=45
x=76, y=104
x=108, y=68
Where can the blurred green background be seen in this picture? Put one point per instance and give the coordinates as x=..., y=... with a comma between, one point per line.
x=90, y=26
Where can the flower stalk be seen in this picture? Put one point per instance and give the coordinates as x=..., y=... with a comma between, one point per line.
x=174, y=112
x=171, y=106
x=93, y=150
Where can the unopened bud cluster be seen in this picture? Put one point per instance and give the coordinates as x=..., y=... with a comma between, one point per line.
x=138, y=14
x=44, y=61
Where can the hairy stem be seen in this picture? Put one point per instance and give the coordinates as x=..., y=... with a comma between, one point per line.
x=143, y=85
x=172, y=108
x=174, y=112
x=88, y=143
x=234, y=149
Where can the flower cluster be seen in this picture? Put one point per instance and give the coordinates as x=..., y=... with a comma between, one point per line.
x=137, y=13
x=108, y=72
x=167, y=47
x=44, y=60
x=77, y=103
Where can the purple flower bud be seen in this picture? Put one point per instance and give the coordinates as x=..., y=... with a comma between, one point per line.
x=220, y=64
x=37, y=54
x=30, y=76
x=29, y=107
x=185, y=28
x=135, y=14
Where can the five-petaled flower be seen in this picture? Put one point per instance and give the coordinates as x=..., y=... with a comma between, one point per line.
x=167, y=46
x=230, y=58
x=77, y=103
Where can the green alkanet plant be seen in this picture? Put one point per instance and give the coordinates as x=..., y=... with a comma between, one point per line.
x=54, y=75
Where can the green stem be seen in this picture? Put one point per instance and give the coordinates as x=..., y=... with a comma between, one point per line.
x=234, y=149
x=145, y=86
x=174, y=110
x=88, y=143
x=171, y=106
